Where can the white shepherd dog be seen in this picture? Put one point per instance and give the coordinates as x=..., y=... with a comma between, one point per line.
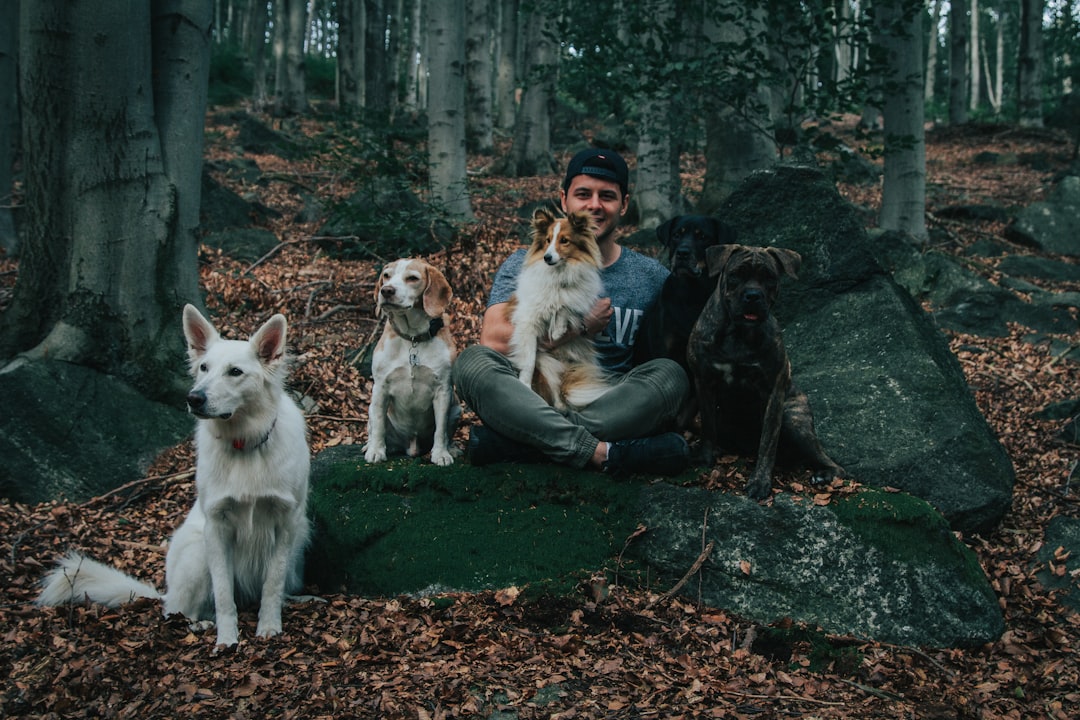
x=244, y=539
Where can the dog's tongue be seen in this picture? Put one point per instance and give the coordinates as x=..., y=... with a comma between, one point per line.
x=750, y=317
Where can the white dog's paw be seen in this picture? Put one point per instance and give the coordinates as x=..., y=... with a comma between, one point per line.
x=199, y=626
x=442, y=457
x=227, y=637
x=269, y=628
x=375, y=454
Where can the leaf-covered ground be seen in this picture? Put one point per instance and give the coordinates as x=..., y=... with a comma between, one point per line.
x=611, y=652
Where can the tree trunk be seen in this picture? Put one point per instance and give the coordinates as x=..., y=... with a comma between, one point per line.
x=903, y=200
x=9, y=119
x=350, y=55
x=531, y=153
x=112, y=187
x=737, y=140
x=932, y=50
x=478, y=67
x=959, y=28
x=974, y=63
x=506, y=73
x=1029, y=74
x=414, y=50
x=446, y=108
x=292, y=100
x=376, y=86
x=258, y=20
x=657, y=184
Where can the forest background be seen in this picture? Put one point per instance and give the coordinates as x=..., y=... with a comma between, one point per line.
x=100, y=107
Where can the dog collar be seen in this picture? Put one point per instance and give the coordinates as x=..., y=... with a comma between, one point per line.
x=434, y=327
x=241, y=444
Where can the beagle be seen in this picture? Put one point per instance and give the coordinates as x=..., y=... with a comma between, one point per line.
x=413, y=408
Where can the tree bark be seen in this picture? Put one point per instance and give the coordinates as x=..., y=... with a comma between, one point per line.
x=478, y=77
x=506, y=69
x=959, y=28
x=9, y=119
x=738, y=140
x=350, y=54
x=532, y=154
x=292, y=100
x=112, y=187
x=657, y=183
x=258, y=20
x=376, y=85
x=446, y=108
x=1029, y=71
x=974, y=63
x=932, y=50
x=903, y=201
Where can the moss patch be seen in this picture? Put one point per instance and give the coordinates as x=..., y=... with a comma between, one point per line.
x=407, y=526
x=908, y=529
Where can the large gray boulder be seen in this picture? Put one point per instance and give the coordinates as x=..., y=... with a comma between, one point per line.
x=890, y=401
x=872, y=564
x=1052, y=225
x=77, y=432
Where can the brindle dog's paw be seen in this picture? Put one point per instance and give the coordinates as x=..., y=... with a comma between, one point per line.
x=758, y=487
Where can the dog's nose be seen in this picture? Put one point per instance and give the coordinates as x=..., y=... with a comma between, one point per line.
x=196, y=399
x=551, y=259
x=753, y=295
x=387, y=291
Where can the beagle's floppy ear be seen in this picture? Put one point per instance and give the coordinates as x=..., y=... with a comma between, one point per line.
x=717, y=257
x=437, y=294
x=788, y=261
x=383, y=274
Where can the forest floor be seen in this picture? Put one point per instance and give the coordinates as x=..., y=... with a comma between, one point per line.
x=493, y=654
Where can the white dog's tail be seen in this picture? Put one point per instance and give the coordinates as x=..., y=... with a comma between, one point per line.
x=77, y=578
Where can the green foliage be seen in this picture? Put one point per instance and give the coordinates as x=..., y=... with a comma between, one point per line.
x=230, y=75
x=321, y=76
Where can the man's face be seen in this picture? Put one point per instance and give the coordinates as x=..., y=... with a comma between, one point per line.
x=601, y=198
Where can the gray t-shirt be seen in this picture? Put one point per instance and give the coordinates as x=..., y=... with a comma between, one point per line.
x=632, y=282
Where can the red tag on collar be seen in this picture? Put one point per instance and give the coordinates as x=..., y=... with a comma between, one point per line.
x=238, y=444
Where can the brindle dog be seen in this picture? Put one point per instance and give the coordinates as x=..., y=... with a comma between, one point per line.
x=741, y=369
x=666, y=326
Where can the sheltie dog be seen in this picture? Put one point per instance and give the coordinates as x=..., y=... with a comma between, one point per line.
x=558, y=285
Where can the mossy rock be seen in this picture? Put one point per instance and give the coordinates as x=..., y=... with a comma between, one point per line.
x=407, y=526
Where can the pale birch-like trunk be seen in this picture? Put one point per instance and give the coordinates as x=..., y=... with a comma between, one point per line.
x=446, y=108
x=974, y=63
x=903, y=201
x=657, y=173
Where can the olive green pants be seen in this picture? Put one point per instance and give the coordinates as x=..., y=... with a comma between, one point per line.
x=645, y=401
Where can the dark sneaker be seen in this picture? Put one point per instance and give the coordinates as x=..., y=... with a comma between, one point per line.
x=665, y=454
x=487, y=446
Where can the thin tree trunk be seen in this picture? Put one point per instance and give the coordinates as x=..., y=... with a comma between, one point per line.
x=376, y=87
x=657, y=185
x=506, y=69
x=1029, y=72
x=531, y=153
x=974, y=63
x=932, y=50
x=737, y=140
x=350, y=54
x=258, y=20
x=292, y=99
x=446, y=108
x=414, y=70
x=903, y=201
x=9, y=119
x=959, y=29
x=478, y=77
